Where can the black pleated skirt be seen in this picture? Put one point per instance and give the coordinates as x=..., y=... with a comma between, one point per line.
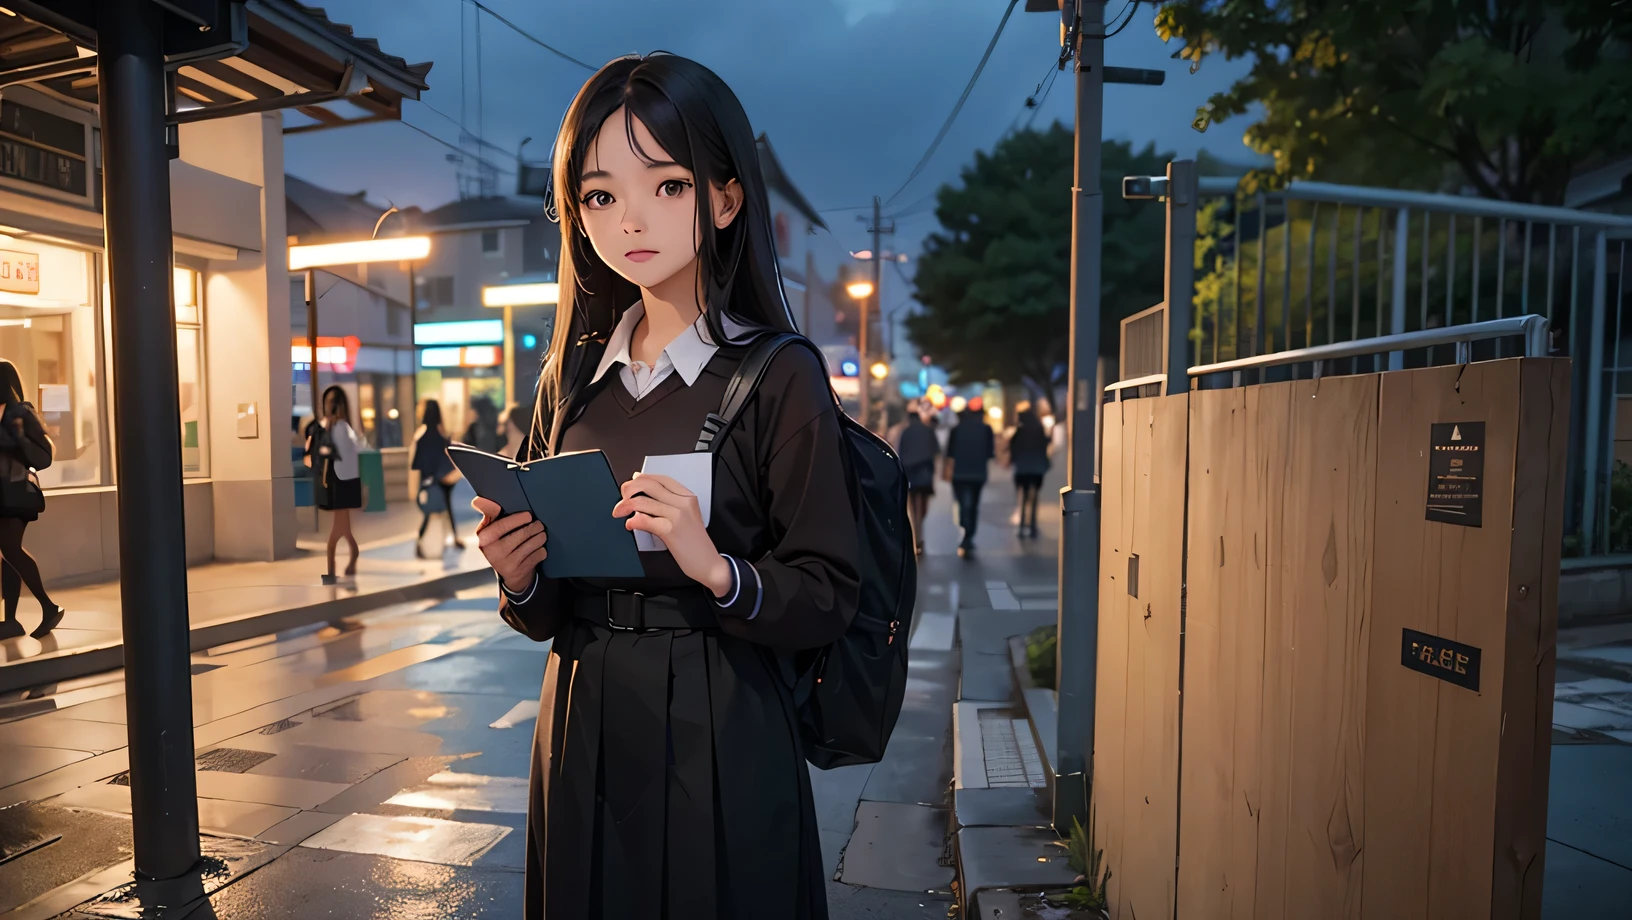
x=668, y=782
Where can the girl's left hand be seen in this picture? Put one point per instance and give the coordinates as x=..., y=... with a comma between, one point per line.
x=663, y=507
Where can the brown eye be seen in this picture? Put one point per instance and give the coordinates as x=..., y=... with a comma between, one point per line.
x=673, y=188
x=597, y=200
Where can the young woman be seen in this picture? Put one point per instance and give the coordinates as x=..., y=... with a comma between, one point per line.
x=436, y=471
x=668, y=778
x=332, y=454
x=918, y=450
x=1028, y=457
x=24, y=447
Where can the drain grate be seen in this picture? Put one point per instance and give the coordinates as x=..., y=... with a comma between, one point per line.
x=282, y=725
x=232, y=760
x=220, y=760
x=1009, y=752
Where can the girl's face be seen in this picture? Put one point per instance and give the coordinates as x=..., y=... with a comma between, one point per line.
x=641, y=216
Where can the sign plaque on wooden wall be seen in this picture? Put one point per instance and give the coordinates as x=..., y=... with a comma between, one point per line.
x=1446, y=659
x=1456, y=473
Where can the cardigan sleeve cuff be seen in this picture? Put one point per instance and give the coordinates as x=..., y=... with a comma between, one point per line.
x=745, y=596
x=519, y=598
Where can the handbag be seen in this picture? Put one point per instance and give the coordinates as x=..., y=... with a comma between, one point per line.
x=431, y=500
x=21, y=495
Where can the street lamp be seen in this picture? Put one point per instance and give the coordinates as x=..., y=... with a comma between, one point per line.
x=880, y=370
x=311, y=257
x=509, y=296
x=860, y=290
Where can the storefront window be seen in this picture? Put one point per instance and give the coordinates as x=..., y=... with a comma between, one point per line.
x=48, y=329
x=190, y=374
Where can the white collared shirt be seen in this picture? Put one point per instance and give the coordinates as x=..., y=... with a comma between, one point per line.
x=687, y=355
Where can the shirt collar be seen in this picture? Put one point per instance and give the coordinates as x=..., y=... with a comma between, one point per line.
x=689, y=353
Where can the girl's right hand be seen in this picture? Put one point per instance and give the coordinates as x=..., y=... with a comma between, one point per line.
x=513, y=544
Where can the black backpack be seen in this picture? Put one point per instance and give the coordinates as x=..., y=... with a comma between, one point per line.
x=850, y=692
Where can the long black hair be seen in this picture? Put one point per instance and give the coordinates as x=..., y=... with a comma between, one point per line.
x=432, y=419
x=11, y=384
x=700, y=125
x=342, y=403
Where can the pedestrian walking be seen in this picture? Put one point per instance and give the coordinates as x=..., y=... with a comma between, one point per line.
x=669, y=778
x=24, y=449
x=437, y=476
x=517, y=421
x=331, y=452
x=1028, y=458
x=969, y=451
x=918, y=449
x=484, y=433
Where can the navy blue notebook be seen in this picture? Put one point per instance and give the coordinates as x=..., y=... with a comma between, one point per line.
x=572, y=494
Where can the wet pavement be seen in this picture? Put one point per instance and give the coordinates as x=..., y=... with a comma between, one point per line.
x=232, y=601
x=376, y=767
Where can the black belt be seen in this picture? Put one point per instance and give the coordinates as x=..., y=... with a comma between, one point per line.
x=632, y=611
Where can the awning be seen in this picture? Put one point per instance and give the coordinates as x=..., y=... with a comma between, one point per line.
x=280, y=55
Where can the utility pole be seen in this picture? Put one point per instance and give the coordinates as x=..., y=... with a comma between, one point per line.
x=877, y=228
x=152, y=544
x=1078, y=636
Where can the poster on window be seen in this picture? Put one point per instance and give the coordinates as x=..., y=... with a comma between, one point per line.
x=19, y=272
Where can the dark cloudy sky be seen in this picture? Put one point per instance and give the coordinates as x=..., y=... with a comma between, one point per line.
x=850, y=91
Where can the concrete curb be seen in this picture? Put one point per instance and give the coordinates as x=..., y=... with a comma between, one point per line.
x=80, y=662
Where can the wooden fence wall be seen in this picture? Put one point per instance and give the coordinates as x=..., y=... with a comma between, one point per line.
x=1293, y=766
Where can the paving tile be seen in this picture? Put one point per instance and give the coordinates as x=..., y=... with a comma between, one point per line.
x=19, y=762
x=1002, y=807
x=934, y=632
x=105, y=797
x=1582, y=812
x=1011, y=857
x=376, y=789
x=55, y=730
x=266, y=790
x=297, y=827
x=327, y=883
x=447, y=791
x=226, y=859
x=327, y=765
x=241, y=819
x=837, y=792
x=1577, y=886
x=897, y=847
x=363, y=737
x=106, y=709
x=424, y=710
x=434, y=840
x=86, y=841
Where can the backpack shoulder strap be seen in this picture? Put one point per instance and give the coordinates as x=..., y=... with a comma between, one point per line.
x=743, y=383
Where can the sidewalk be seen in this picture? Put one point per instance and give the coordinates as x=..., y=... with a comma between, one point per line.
x=231, y=601
x=377, y=769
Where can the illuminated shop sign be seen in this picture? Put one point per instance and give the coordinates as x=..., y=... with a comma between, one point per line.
x=468, y=356
x=465, y=332
x=333, y=352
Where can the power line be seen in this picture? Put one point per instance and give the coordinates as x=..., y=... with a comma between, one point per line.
x=951, y=117
x=531, y=37
x=454, y=147
x=1038, y=105
x=1124, y=25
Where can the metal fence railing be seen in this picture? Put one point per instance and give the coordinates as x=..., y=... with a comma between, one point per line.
x=1318, y=264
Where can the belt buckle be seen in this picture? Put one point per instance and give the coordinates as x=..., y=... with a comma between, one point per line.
x=639, y=601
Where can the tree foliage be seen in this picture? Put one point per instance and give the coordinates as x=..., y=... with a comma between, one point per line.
x=994, y=281
x=1508, y=97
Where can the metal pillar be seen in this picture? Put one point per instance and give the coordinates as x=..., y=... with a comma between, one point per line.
x=147, y=419
x=510, y=354
x=313, y=395
x=1592, y=462
x=1078, y=652
x=1180, y=282
x=1396, y=319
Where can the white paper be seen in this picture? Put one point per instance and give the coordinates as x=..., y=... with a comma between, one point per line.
x=695, y=471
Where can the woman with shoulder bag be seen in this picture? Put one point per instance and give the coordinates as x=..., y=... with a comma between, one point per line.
x=24, y=448
x=332, y=454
